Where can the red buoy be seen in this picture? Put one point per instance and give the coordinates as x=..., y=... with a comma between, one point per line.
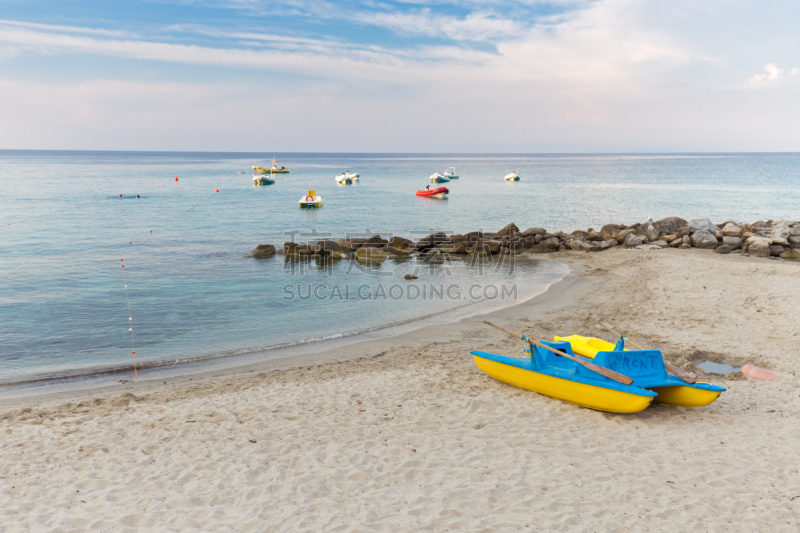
x=216, y=190
x=133, y=352
x=176, y=178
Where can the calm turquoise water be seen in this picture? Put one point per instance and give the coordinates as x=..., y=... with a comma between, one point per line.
x=64, y=229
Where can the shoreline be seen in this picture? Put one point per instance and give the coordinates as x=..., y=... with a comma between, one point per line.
x=408, y=434
x=321, y=352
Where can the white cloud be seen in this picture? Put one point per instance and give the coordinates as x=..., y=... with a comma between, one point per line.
x=795, y=72
x=772, y=73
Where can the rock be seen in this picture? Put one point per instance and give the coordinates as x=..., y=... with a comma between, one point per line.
x=391, y=250
x=659, y=243
x=669, y=225
x=777, y=235
x=263, y=251
x=697, y=224
x=533, y=231
x=432, y=240
x=704, y=239
x=579, y=234
x=374, y=242
x=686, y=240
x=647, y=247
x=724, y=249
x=410, y=276
x=733, y=242
x=777, y=250
x=544, y=248
x=579, y=245
x=668, y=238
x=684, y=246
x=350, y=245
x=594, y=236
x=457, y=248
x=791, y=255
x=732, y=230
x=523, y=244
x=336, y=255
x=608, y=231
x=552, y=241
x=651, y=233
x=683, y=232
x=756, y=238
x=759, y=248
x=632, y=241
x=621, y=235
x=326, y=247
x=400, y=242
x=793, y=240
x=676, y=243
x=611, y=243
x=370, y=253
x=509, y=231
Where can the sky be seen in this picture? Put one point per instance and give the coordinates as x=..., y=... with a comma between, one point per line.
x=488, y=76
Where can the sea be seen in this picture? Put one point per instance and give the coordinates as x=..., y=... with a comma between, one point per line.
x=189, y=298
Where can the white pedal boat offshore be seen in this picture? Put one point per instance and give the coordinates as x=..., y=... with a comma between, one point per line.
x=511, y=176
x=311, y=200
x=345, y=178
x=450, y=173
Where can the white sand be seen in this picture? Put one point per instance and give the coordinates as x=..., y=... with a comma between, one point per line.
x=419, y=439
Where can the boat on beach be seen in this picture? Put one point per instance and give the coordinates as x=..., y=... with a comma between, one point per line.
x=439, y=193
x=311, y=200
x=671, y=390
x=272, y=170
x=556, y=370
x=511, y=176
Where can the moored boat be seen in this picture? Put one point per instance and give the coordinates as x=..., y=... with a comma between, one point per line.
x=438, y=178
x=262, y=179
x=511, y=176
x=439, y=193
x=671, y=390
x=311, y=200
x=345, y=178
x=450, y=173
x=272, y=170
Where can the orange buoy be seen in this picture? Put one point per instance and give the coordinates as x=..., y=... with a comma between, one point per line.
x=176, y=178
x=133, y=352
x=216, y=190
x=758, y=373
x=240, y=172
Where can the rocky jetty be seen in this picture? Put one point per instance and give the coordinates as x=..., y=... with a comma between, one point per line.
x=759, y=239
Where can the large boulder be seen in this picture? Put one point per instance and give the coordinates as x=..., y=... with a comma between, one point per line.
x=777, y=235
x=697, y=224
x=704, y=239
x=632, y=241
x=374, y=242
x=400, y=242
x=533, y=231
x=370, y=253
x=431, y=241
x=724, y=249
x=262, y=251
x=732, y=230
x=650, y=233
x=326, y=247
x=777, y=250
x=759, y=248
x=732, y=242
x=509, y=231
x=543, y=248
x=594, y=236
x=608, y=231
x=669, y=225
x=621, y=235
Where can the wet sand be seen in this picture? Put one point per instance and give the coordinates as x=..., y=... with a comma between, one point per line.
x=407, y=434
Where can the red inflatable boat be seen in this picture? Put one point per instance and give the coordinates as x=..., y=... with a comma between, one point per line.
x=440, y=192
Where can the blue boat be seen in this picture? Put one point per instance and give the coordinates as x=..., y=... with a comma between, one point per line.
x=564, y=379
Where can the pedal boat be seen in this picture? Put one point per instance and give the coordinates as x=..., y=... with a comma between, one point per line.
x=440, y=193
x=563, y=379
x=311, y=200
x=670, y=390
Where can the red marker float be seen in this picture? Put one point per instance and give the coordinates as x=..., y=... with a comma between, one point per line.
x=176, y=178
x=216, y=190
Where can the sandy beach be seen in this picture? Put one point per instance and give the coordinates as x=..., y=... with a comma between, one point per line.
x=407, y=433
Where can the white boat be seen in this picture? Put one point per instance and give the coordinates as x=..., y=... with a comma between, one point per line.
x=345, y=178
x=262, y=179
x=450, y=173
x=311, y=200
x=511, y=176
x=438, y=178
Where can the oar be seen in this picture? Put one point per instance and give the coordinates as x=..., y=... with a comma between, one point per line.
x=672, y=369
x=616, y=376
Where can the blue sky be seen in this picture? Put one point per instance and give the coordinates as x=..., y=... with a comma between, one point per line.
x=490, y=76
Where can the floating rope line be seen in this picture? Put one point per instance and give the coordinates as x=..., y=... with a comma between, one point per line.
x=130, y=322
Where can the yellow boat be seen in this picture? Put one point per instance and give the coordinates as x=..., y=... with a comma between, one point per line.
x=564, y=379
x=272, y=170
x=670, y=390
